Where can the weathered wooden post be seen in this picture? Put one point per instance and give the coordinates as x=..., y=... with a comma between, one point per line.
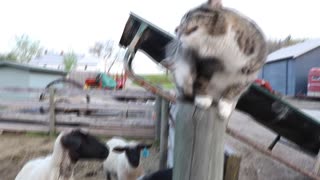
x=164, y=133
x=52, y=115
x=157, y=109
x=199, y=144
x=231, y=166
x=316, y=168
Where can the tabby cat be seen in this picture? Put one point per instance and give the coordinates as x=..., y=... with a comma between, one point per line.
x=216, y=55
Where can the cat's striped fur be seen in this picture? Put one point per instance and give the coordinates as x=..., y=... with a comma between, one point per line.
x=217, y=54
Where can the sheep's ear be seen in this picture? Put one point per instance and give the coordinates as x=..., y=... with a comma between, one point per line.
x=119, y=149
x=71, y=142
x=215, y=3
x=142, y=146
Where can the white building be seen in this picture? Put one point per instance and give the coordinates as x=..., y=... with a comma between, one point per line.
x=49, y=60
x=142, y=64
x=55, y=61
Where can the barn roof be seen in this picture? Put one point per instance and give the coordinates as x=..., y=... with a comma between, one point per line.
x=49, y=59
x=31, y=68
x=294, y=50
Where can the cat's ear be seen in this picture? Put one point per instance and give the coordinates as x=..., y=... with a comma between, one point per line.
x=215, y=3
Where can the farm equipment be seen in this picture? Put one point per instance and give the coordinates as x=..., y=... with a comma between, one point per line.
x=64, y=98
x=314, y=82
x=104, y=81
x=266, y=107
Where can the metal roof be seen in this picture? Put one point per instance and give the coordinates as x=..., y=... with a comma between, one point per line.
x=49, y=59
x=31, y=68
x=294, y=50
x=89, y=60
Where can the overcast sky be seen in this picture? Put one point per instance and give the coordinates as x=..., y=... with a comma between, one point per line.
x=77, y=24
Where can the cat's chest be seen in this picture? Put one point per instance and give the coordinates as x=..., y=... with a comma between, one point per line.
x=226, y=49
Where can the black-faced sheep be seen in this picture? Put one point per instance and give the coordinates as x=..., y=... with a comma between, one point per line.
x=69, y=147
x=124, y=159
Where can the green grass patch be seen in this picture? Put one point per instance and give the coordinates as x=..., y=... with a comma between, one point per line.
x=161, y=79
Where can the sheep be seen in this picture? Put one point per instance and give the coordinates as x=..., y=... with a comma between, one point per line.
x=69, y=147
x=124, y=159
x=165, y=174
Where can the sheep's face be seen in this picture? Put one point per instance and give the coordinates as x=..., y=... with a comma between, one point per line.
x=84, y=146
x=132, y=153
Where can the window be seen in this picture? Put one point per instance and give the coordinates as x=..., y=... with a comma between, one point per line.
x=316, y=78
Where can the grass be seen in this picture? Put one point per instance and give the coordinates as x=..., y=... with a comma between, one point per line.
x=161, y=79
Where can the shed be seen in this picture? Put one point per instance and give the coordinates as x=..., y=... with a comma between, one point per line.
x=48, y=60
x=287, y=69
x=25, y=76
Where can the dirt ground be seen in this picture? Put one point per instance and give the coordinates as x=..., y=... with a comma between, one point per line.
x=17, y=149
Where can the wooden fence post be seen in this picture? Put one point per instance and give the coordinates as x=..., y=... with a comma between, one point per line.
x=231, y=166
x=316, y=168
x=52, y=115
x=199, y=144
x=158, y=117
x=164, y=133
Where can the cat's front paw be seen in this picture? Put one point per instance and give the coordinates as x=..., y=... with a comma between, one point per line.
x=203, y=101
x=225, y=109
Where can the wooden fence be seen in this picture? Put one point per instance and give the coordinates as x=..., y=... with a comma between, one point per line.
x=109, y=117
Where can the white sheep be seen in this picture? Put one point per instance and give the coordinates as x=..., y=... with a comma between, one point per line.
x=124, y=159
x=69, y=147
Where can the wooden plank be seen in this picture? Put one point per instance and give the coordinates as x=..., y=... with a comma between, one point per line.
x=22, y=127
x=23, y=104
x=37, y=118
x=199, y=144
x=117, y=109
x=105, y=131
x=52, y=113
x=118, y=94
x=114, y=106
x=127, y=133
x=79, y=106
x=157, y=108
x=21, y=90
x=73, y=119
x=164, y=134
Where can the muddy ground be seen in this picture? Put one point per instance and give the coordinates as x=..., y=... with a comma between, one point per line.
x=17, y=149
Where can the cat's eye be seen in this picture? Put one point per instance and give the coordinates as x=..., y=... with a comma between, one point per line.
x=176, y=30
x=191, y=30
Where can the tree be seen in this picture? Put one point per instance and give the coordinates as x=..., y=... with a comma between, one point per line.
x=102, y=49
x=69, y=61
x=25, y=49
x=274, y=45
x=8, y=57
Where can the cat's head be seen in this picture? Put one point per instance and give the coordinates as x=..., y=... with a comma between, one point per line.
x=199, y=25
